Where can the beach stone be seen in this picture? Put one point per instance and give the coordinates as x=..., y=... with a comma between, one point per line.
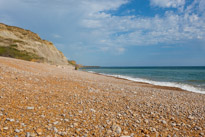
x=55, y=123
x=55, y=129
x=202, y=134
x=11, y=120
x=28, y=134
x=117, y=129
x=92, y=110
x=30, y=108
x=75, y=124
x=190, y=117
x=146, y=121
x=153, y=129
x=197, y=128
x=39, y=131
x=173, y=124
x=32, y=135
x=109, y=132
x=164, y=122
x=125, y=132
x=17, y=130
x=176, y=129
x=6, y=128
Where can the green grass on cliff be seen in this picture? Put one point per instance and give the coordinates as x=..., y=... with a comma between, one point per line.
x=12, y=52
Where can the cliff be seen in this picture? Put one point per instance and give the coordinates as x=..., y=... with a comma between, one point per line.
x=23, y=44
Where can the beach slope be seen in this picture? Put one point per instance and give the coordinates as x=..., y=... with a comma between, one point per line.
x=48, y=100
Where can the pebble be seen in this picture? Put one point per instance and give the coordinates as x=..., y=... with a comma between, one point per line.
x=176, y=129
x=197, y=128
x=5, y=128
x=39, y=131
x=125, y=132
x=30, y=108
x=17, y=130
x=92, y=110
x=109, y=131
x=164, y=122
x=66, y=120
x=173, y=124
x=117, y=129
x=55, y=129
x=11, y=120
x=28, y=134
x=55, y=123
x=75, y=124
x=146, y=121
x=32, y=135
x=190, y=117
x=202, y=134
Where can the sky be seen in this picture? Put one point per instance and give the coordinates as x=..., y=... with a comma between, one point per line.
x=116, y=32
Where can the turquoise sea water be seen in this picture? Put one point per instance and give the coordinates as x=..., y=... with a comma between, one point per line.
x=187, y=78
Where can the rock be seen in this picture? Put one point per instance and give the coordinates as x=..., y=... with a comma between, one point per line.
x=125, y=132
x=153, y=129
x=75, y=124
x=202, y=134
x=55, y=129
x=43, y=116
x=22, y=124
x=164, y=122
x=11, y=120
x=173, y=124
x=109, y=132
x=39, y=131
x=63, y=115
x=197, y=128
x=176, y=129
x=30, y=108
x=55, y=123
x=66, y=120
x=92, y=110
x=28, y=134
x=17, y=130
x=116, y=128
x=146, y=121
x=190, y=117
x=5, y=128
x=32, y=134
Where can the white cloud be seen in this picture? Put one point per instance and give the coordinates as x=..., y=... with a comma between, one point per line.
x=168, y=3
x=87, y=25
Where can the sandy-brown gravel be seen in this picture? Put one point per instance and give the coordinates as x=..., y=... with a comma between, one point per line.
x=47, y=100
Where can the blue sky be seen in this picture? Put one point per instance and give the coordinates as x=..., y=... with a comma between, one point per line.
x=116, y=32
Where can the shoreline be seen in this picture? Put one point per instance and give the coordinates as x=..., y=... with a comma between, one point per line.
x=47, y=100
x=154, y=85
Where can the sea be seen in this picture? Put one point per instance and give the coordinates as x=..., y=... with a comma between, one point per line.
x=186, y=78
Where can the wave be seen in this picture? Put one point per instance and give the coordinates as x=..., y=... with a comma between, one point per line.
x=158, y=83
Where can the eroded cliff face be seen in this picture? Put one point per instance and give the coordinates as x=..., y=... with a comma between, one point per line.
x=25, y=40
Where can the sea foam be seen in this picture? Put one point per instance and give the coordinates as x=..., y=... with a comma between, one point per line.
x=158, y=83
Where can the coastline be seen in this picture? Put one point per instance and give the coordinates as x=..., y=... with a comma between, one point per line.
x=149, y=83
x=49, y=100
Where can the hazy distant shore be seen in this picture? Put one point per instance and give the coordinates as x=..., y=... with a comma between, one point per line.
x=41, y=99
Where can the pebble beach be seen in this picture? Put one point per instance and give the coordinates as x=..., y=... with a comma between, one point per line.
x=51, y=101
